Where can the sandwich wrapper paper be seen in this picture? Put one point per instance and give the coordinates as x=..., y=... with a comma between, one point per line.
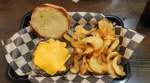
x=20, y=46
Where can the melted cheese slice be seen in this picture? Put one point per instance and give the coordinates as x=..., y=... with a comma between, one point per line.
x=63, y=68
x=51, y=56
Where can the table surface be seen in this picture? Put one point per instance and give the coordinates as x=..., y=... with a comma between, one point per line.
x=11, y=12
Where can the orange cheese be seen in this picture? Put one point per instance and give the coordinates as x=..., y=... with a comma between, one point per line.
x=51, y=56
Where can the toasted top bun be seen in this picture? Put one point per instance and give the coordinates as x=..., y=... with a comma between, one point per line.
x=50, y=21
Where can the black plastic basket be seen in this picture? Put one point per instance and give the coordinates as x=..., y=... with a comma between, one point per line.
x=24, y=79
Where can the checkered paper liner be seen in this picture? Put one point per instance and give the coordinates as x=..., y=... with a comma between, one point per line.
x=19, y=49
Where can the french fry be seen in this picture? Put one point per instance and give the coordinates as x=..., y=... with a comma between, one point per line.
x=78, y=50
x=99, y=59
x=106, y=28
x=80, y=29
x=96, y=42
x=80, y=32
x=75, y=43
x=67, y=37
x=110, y=37
x=88, y=66
x=111, y=70
x=95, y=33
x=77, y=57
x=107, y=43
x=117, y=67
x=101, y=51
x=77, y=46
x=95, y=66
x=96, y=54
x=95, y=50
x=111, y=55
x=83, y=66
x=113, y=46
x=88, y=50
x=75, y=68
x=103, y=58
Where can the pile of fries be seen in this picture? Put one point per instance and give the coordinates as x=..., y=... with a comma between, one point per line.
x=95, y=50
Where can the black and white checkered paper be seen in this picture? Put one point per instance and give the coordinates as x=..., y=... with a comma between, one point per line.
x=19, y=49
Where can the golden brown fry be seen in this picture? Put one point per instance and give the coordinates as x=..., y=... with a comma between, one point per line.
x=77, y=57
x=88, y=50
x=80, y=29
x=110, y=37
x=79, y=48
x=67, y=37
x=104, y=23
x=80, y=32
x=95, y=53
x=96, y=42
x=101, y=51
x=99, y=59
x=88, y=66
x=106, y=28
x=95, y=66
x=95, y=33
x=105, y=68
x=116, y=67
x=107, y=43
x=94, y=50
x=111, y=70
x=75, y=68
x=83, y=66
x=113, y=46
x=75, y=43
x=103, y=58
x=121, y=68
x=111, y=55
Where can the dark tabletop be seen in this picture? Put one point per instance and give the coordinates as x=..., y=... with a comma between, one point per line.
x=11, y=12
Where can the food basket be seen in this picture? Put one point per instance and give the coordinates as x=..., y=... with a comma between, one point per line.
x=78, y=17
